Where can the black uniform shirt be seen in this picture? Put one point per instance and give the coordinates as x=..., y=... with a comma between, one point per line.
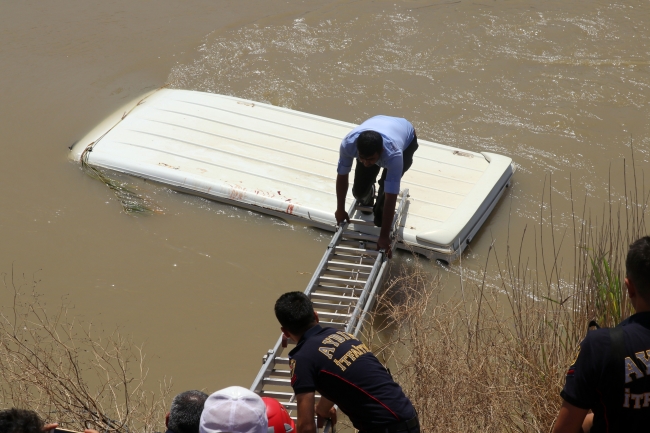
x=618, y=391
x=342, y=369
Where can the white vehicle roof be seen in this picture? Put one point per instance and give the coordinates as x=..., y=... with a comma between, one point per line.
x=283, y=162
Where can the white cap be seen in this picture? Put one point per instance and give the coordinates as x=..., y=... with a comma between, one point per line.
x=234, y=410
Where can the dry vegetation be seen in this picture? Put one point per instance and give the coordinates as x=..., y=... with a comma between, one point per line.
x=69, y=373
x=492, y=358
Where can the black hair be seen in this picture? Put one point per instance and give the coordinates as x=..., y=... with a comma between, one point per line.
x=369, y=143
x=20, y=421
x=637, y=266
x=185, y=413
x=294, y=312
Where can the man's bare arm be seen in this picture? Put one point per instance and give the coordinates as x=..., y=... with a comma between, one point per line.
x=570, y=419
x=325, y=410
x=387, y=221
x=341, y=192
x=305, y=403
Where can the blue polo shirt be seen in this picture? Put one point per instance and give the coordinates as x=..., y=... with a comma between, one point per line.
x=342, y=369
x=618, y=393
x=397, y=134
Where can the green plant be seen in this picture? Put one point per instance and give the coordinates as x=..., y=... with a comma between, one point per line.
x=609, y=293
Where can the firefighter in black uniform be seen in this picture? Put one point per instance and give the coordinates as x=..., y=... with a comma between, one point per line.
x=343, y=371
x=611, y=374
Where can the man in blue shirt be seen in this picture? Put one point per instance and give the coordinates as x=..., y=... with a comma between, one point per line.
x=380, y=141
x=611, y=374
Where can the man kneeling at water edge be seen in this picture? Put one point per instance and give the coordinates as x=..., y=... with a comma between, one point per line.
x=380, y=141
x=343, y=371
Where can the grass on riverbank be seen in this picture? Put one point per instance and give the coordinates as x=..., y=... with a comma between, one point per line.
x=490, y=359
x=476, y=363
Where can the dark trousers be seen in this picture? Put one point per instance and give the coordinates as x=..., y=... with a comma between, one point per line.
x=365, y=177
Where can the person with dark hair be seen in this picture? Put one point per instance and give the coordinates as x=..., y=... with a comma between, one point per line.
x=184, y=415
x=380, y=141
x=21, y=421
x=344, y=371
x=611, y=374
x=26, y=421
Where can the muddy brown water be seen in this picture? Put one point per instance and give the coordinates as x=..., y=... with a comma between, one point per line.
x=560, y=87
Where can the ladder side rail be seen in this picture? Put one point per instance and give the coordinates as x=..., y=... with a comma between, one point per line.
x=258, y=383
x=364, y=294
x=330, y=250
x=313, y=282
x=371, y=299
x=353, y=324
x=398, y=215
x=380, y=277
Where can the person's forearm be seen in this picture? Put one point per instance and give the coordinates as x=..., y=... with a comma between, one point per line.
x=341, y=190
x=389, y=214
x=569, y=419
x=323, y=407
x=305, y=405
x=306, y=426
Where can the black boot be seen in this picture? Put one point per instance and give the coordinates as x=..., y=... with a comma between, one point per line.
x=368, y=200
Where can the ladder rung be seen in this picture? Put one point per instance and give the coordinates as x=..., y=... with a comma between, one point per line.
x=357, y=260
x=356, y=251
x=355, y=244
x=362, y=222
x=275, y=381
x=282, y=395
x=333, y=324
x=368, y=245
x=346, y=265
x=353, y=274
x=343, y=281
x=352, y=246
x=356, y=235
x=277, y=394
x=339, y=289
x=334, y=297
x=282, y=361
x=351, y=250
x=336, y=316
x=326, y=306
x=353, y=260
x=281, y=373
x=363, y=208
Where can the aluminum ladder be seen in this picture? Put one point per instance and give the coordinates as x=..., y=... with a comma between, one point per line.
x=343, y=289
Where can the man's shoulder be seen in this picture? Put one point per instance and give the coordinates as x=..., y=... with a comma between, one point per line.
x=593, y=349
x=596, y=336
x=597, y=343
x=639, y=322
x=596, y=340
x=314, y=338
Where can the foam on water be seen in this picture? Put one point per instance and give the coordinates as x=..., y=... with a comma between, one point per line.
x=515, y=69
x=562, y=90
